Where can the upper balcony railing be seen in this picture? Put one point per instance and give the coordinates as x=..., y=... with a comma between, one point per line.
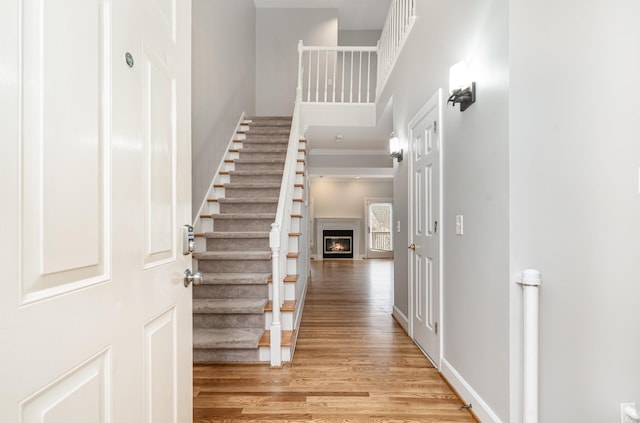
x=400, y=19
x=340, y=74
x=337, y=74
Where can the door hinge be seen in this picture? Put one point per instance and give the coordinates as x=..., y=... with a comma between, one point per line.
x=436, y=327
x=435, y=126
x=435, y=227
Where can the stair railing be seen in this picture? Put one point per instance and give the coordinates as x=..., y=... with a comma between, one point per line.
x=399, y=22
x=279, y=235
x=337, y=74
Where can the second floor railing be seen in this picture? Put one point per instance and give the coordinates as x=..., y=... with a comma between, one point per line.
x=400, y=19
x=337, y=74
x=354, y=75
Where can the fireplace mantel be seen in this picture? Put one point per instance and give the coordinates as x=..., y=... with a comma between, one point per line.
x=338, y=223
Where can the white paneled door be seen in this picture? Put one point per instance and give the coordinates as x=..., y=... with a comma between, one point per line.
x=424, y=248
x=95, y=321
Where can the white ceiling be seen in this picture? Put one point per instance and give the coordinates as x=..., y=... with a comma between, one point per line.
x=352, y=14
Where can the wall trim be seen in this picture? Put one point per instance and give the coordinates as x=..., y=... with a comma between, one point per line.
x=480, y=408
x=400, y=317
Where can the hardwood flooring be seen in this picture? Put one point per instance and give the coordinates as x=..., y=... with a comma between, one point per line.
x=353, y=363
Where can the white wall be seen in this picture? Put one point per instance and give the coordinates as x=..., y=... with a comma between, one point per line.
x=223, y=82
x=277, y=34
x=360, y=38
x=344, y=198
x=475, y=182
x=575, y=202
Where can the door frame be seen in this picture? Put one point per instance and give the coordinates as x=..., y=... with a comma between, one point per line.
x=367, y=201
x=435, y=101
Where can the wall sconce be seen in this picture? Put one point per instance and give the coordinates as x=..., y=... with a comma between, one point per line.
x=462, y=90
x=394, y=147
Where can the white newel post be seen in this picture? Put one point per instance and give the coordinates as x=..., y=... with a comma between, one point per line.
x=530, y=285
x=276, y=325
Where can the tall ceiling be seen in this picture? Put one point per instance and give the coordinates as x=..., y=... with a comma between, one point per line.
x=360, y=145
x=352, y=14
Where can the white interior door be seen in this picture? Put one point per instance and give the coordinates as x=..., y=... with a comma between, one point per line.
x=424, y=254
x=95, y=320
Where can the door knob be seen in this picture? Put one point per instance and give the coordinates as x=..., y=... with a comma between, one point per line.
x=412, y=247
x=195, y=278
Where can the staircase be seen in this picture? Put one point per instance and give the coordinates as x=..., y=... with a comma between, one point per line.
x=231, y=308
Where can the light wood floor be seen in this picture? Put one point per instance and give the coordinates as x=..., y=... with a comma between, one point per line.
x=353, y=363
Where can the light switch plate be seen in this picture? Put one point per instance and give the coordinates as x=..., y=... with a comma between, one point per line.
x=459, y=225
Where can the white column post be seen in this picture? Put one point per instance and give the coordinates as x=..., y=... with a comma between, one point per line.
x=531, y=285
x=300, y=72
x=276, y=325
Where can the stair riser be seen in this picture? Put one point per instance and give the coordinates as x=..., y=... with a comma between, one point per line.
x=228, y=321
x=260, y=143
x=234, y=266
x=267, y=155
x=239, y=225
x=275, y=137
x=230, y=291
x=237, y=244
x=248, y=207
x=225, y=355
x=279, y=130
x=260, y=166
x=241, y=179
x=251, y=192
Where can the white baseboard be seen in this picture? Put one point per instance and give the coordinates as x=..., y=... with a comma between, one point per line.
x=479, y=407
x=402, y=320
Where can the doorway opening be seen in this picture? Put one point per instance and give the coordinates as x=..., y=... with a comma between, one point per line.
x=379, y=238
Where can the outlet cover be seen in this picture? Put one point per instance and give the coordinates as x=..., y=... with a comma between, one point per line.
x=623, y=416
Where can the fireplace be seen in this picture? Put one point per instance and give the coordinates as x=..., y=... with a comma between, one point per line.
x=337, y=244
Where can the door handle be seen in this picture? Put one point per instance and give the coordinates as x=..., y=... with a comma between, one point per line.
x=412, y=247
x=189, y=278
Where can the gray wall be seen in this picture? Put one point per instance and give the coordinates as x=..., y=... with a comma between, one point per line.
x=223, y=82
x=575, y=202
x=475, y=182
x=348, y=37
x=277, y=34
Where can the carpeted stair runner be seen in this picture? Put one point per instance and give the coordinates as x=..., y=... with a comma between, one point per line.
x=229, y=306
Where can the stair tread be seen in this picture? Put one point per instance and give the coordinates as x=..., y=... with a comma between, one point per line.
x=235, y=278
x=258, y=172
x=260, y=160
x=288, y=278
x=252, y=185
x=288, y=306
x=287, y=338
x=236, y=235
x=226, y=338
x=228, y=216
x=233, y=255
x=246, y=200
x=263, y=148
x=230, y=305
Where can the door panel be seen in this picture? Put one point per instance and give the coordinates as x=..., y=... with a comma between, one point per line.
x=424, y=256
x=160, y=139
x=161, y=368
x=83, y=392
x=62, y=123
x=95, y=176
